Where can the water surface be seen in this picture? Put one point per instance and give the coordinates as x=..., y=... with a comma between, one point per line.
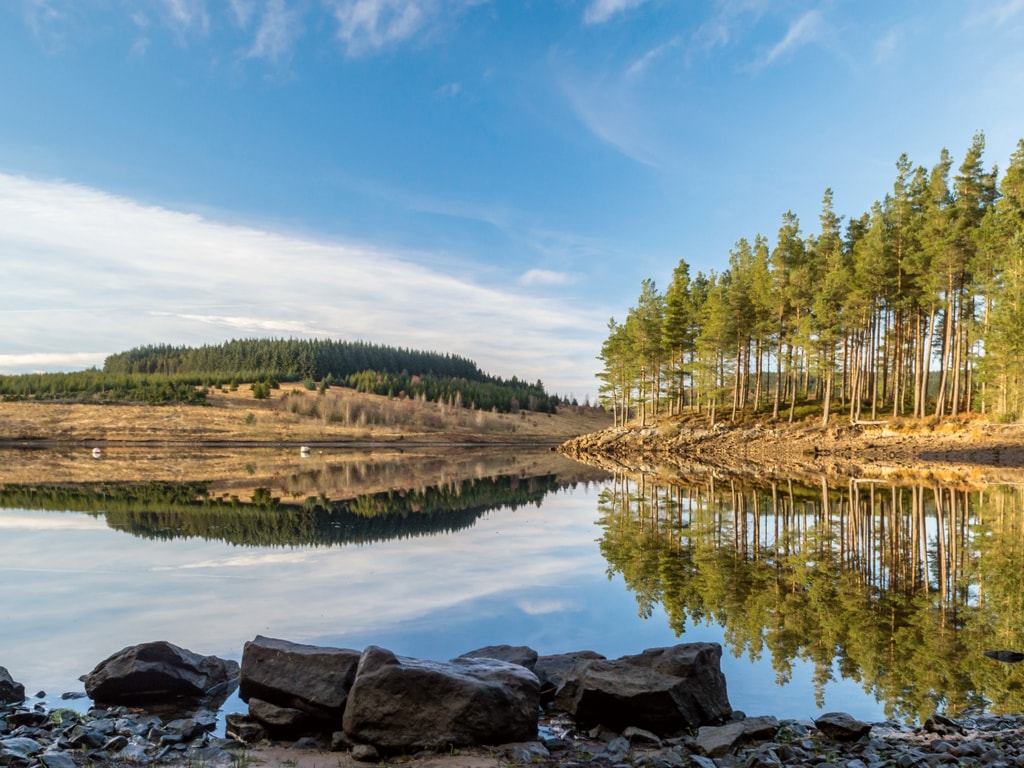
x=872, y=599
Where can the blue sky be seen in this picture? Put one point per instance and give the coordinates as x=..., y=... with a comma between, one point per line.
x=488, y=178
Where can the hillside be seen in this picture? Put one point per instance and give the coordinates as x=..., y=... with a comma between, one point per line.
x=290, y=414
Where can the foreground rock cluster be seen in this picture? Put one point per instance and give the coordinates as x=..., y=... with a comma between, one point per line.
x=375, y=699
x=663, y=708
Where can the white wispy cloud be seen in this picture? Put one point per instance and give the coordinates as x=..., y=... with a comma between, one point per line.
x=887, y=45
x=86, y=270
x=608, y=110
x=639, y=66
x=808, y=28
x=186, y=15
x=600, y=11
x=244, y=11
x=450, y=90
x=545, y=277
x=279, y=28
x=367, y=25
x=998, y=13
x=54, y=23
x=729, y=19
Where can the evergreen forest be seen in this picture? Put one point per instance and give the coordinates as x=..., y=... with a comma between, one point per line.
x=912, y=309
x=159, y=374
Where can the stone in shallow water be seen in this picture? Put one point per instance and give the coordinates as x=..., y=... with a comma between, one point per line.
x=842, y=727
x=11, y=692
x=159, y=671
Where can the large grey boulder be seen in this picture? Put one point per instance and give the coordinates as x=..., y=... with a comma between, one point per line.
x=402, y=703
x=11, y=692
x=551, y=670
x=664, y=690
x=312, y=679
x=159, y=671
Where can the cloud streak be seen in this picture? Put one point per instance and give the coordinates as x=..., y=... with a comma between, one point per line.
x=806, y=29
x=278, y=30
x=86, y=270
x=609, y=112
x=600, y=11
x=366, y=25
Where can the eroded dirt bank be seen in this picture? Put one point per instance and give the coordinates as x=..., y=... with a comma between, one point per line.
x=967, y=452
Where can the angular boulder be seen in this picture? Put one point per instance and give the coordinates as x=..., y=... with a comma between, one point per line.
x=281, y=722
x=312, y=679
x=159, y=671
x=842, y=727
x=664, y=690
x=402, y=703
x=551, y=670
x=718, y=740
x=11, y=692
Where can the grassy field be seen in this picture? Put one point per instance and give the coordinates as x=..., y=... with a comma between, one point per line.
x=291, y=414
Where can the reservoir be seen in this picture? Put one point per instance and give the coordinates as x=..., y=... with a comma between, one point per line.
x=878, y=600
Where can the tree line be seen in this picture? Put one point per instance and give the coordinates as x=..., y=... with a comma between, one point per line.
x=509, y=396
x=915, y=309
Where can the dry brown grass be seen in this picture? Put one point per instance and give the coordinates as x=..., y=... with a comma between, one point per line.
x=291, y=414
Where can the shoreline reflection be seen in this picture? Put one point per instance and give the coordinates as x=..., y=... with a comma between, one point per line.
x=900, y=589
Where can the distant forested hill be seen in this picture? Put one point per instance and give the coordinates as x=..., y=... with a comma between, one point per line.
x=164, y=373
x=289, y=360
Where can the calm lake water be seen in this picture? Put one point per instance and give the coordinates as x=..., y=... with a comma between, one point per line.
x=865, y=598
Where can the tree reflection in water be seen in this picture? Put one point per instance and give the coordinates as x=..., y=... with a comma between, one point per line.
x=900, y=588
x=166, y=511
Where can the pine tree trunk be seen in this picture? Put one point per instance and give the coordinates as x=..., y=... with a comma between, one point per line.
x=827, y=400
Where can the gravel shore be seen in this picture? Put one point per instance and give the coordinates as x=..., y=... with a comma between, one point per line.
x=31, y=736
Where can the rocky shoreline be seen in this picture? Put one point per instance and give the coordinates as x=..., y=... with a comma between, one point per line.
x=970, y=452
x=587, y=711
